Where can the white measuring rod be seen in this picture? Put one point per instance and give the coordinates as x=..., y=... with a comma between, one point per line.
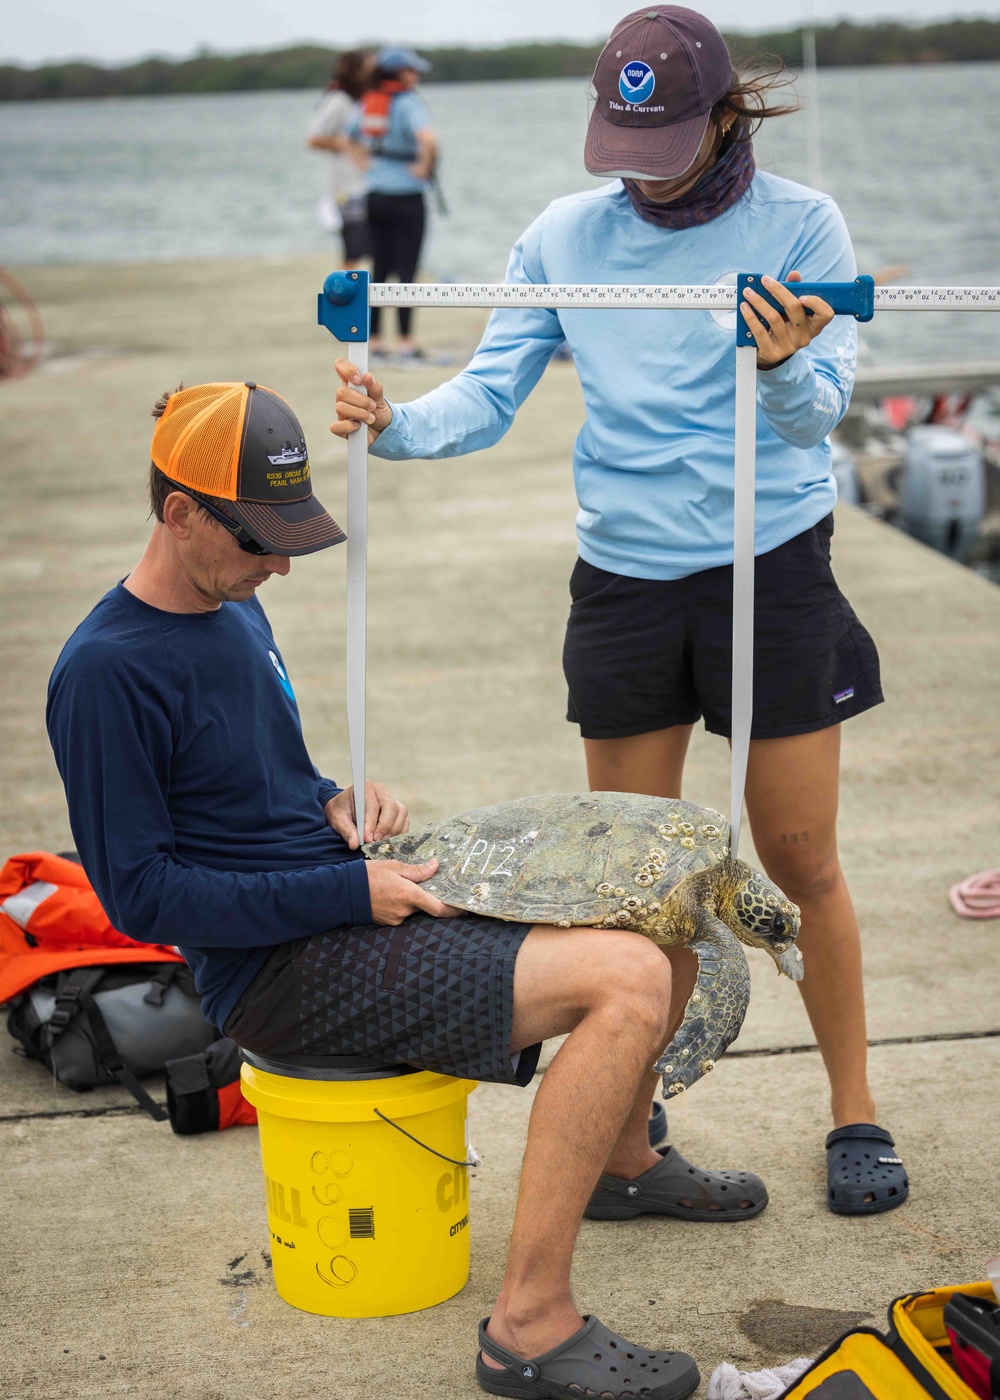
x=652, y=298
x=343, y=307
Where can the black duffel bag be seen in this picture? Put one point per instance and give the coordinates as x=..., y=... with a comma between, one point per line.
x=116, y=1024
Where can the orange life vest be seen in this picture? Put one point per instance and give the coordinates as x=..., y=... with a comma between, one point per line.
x=376, y=114
x=51, y=919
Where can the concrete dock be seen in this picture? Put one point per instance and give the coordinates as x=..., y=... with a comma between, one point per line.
x=135, y=1262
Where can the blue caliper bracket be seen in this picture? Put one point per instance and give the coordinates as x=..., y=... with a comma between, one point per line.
x=342, y=305
x=855, y=298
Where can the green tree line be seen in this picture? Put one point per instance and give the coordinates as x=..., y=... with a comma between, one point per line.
x=308, y=65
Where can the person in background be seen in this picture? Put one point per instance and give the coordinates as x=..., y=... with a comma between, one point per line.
x=648, y=644
x=395, y=127
x=344, y=209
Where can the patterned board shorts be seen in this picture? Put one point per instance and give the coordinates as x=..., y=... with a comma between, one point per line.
x=437, y=994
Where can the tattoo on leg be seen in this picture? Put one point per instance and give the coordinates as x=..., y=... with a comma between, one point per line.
x=793, y=837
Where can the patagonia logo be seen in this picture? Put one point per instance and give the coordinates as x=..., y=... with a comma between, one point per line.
x=843, y=695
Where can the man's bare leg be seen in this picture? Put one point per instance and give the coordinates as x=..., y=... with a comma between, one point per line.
x=632, y=1154
x=653, y=764
x=610, y=991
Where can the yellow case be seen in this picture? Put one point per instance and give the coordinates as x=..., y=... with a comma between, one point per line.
x=904, y=1365
x=918, y=1322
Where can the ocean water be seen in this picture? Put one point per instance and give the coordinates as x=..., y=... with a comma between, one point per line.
x=905, y=151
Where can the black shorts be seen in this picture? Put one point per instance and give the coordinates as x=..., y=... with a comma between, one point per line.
x=645, y=654
x=437, y=994
x=357, y=243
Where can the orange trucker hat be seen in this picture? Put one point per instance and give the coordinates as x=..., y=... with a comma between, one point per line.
x=243, y=444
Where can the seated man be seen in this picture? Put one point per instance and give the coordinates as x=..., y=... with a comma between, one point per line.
x=201, y=821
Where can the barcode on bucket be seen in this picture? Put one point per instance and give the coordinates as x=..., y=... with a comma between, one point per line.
x=362, y=1223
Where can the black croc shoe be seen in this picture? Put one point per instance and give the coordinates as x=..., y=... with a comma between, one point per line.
x=593, y=1362
x=675, y=1187
x=864, y=1175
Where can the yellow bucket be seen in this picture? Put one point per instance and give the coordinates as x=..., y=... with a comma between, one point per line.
x=366, y=1218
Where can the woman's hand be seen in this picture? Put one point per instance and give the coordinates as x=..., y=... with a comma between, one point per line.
x=792, y=330
x=359, y=400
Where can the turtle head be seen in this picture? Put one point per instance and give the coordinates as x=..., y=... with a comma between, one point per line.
x=760, y=915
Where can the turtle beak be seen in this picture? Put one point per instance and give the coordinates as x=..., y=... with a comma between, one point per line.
x=790, y=963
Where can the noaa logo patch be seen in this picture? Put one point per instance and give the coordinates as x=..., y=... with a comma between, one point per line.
x=286, y=684
x=636, y=83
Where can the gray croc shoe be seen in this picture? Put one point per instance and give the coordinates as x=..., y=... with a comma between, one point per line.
x=675, y=1187
x=593, y=1362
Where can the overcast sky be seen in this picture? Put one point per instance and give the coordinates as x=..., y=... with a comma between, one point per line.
x=110, y=31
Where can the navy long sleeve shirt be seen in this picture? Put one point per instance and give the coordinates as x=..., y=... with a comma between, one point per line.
x=193, y=803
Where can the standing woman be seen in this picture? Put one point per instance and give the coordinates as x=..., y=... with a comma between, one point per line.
x=344, y=210
x=648, y=644
x=395, y=126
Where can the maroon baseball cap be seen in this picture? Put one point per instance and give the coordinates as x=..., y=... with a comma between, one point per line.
x=657, y=80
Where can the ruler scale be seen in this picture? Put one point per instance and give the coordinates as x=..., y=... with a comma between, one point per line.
x=653, y=298
x=343, y=307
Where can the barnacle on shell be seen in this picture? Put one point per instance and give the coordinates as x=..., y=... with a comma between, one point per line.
x=479, y=891
x=633, y=903
x=644, y=878
x=685, y=828
x=605, y=887
x=688, y=841
x=564, y=923
x=656, y=854
x=666, y=829
x=619, y=891
x=711, y=831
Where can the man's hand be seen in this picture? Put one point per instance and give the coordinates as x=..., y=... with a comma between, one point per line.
x=394, y=889
x=359, y=400
x=384, y=816
x=791, y=330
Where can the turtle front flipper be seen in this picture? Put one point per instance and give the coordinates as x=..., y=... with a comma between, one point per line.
x=714, y=1014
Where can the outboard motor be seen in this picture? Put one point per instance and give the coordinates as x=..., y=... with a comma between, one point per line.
x=845, y=475
x=943, y=491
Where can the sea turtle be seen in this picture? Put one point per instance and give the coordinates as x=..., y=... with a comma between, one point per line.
x=655, y=865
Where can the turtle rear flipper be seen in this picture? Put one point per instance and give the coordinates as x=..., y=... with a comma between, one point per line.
x=714, y=1014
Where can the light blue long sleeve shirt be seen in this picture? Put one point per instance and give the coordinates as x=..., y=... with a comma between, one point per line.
x=390, y=173
x=653, y=461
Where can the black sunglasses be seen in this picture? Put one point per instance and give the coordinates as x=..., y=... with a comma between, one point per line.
x=242, y=537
